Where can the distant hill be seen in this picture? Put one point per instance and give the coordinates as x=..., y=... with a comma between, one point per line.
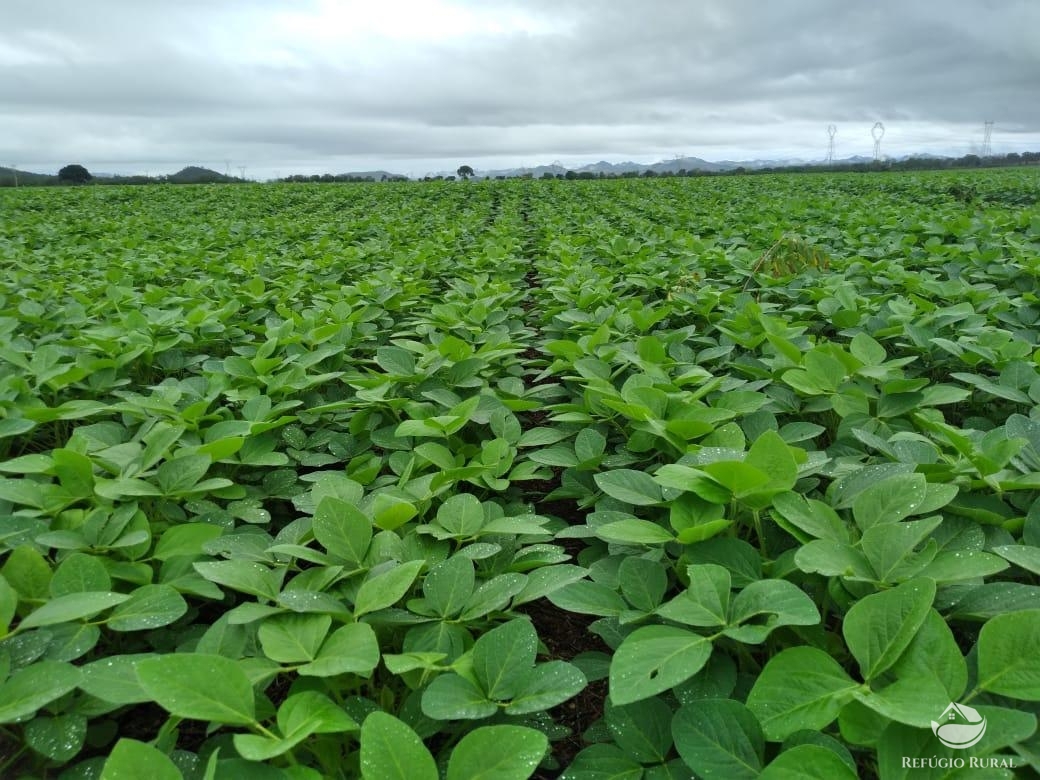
x=193, y=174
x=373, y=175
x=617, y=169
x=690, y=164
x=10, y=176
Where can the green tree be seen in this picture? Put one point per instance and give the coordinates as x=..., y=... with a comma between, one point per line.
x=74, y=174
x=464, y=171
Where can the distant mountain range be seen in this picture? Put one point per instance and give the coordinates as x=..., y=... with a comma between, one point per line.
x=673, y=165
x=10, y=176
x=374, y=175
x=195, y=174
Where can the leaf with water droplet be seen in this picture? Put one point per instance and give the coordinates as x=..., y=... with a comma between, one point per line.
x=150, y=606
x=30, y=688
x=131, y=760
x=498, y=753
x=653, y=659
x=58, y=738
x=390, y=750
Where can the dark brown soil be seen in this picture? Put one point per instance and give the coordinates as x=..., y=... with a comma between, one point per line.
x=144, y=721
x=566, y=635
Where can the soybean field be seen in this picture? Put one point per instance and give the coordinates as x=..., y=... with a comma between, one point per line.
x=720, y=477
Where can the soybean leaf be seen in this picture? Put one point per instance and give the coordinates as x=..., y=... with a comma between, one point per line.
x=495, y=593
x=498, y=753
x=28, y=572
x=390, y=750
x=545, y=686
x=149, y=606
x=1025, y=556
x=80, y=573
x=643, y=582
x=799, y=688
x=771, y=455
x=451, y=696
x=879, y=627
x=808, y=519
x=199, y=686
x=58, y=738
x=867, y=350
x=461, y=515
x=503, y=657
x=113, y=679
x=642, y=729
x=449, y=585
x=342, y=529
x=1008, y=661
x=186, y=539
x=588, y=598
x=74, y=606
x=910, y=700
x=633, y=531
x=717, y=680
x=386, y=588
x=719, y=738
x=545, y=580
x=241, y=575
x=890, y=500
x=632, y=487
x=808, y=762
x=934, y=650
x=890, y=548
x=781, y=602
x=181, y=474
x=293, y=638
x=833, y=559
x=8, y=604
x=962, y=565
x=35, y=686
x=995, y=598
x=131, y=759
x=705, y=602
x=589, y=444
x=299, y=716
x=603, y=762
x=820, y=739
x=653, y=659
x=352, y=649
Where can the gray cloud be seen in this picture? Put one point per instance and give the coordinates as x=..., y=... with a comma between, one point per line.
x=326, y=85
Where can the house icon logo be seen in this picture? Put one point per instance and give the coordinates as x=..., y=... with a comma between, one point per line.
x=959, y=726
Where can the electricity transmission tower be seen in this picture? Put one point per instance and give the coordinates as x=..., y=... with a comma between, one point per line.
x=987, y=135
x=877, y=132
x=242, y=171
x=831, y=132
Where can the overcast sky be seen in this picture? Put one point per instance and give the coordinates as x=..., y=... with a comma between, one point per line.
x=423, y=85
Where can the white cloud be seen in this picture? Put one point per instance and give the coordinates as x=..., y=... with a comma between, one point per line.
x=332, y=85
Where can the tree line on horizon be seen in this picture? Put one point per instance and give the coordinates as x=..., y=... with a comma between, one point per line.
x=77, y=174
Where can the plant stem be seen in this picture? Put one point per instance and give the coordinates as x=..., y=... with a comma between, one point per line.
x=757, y=518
